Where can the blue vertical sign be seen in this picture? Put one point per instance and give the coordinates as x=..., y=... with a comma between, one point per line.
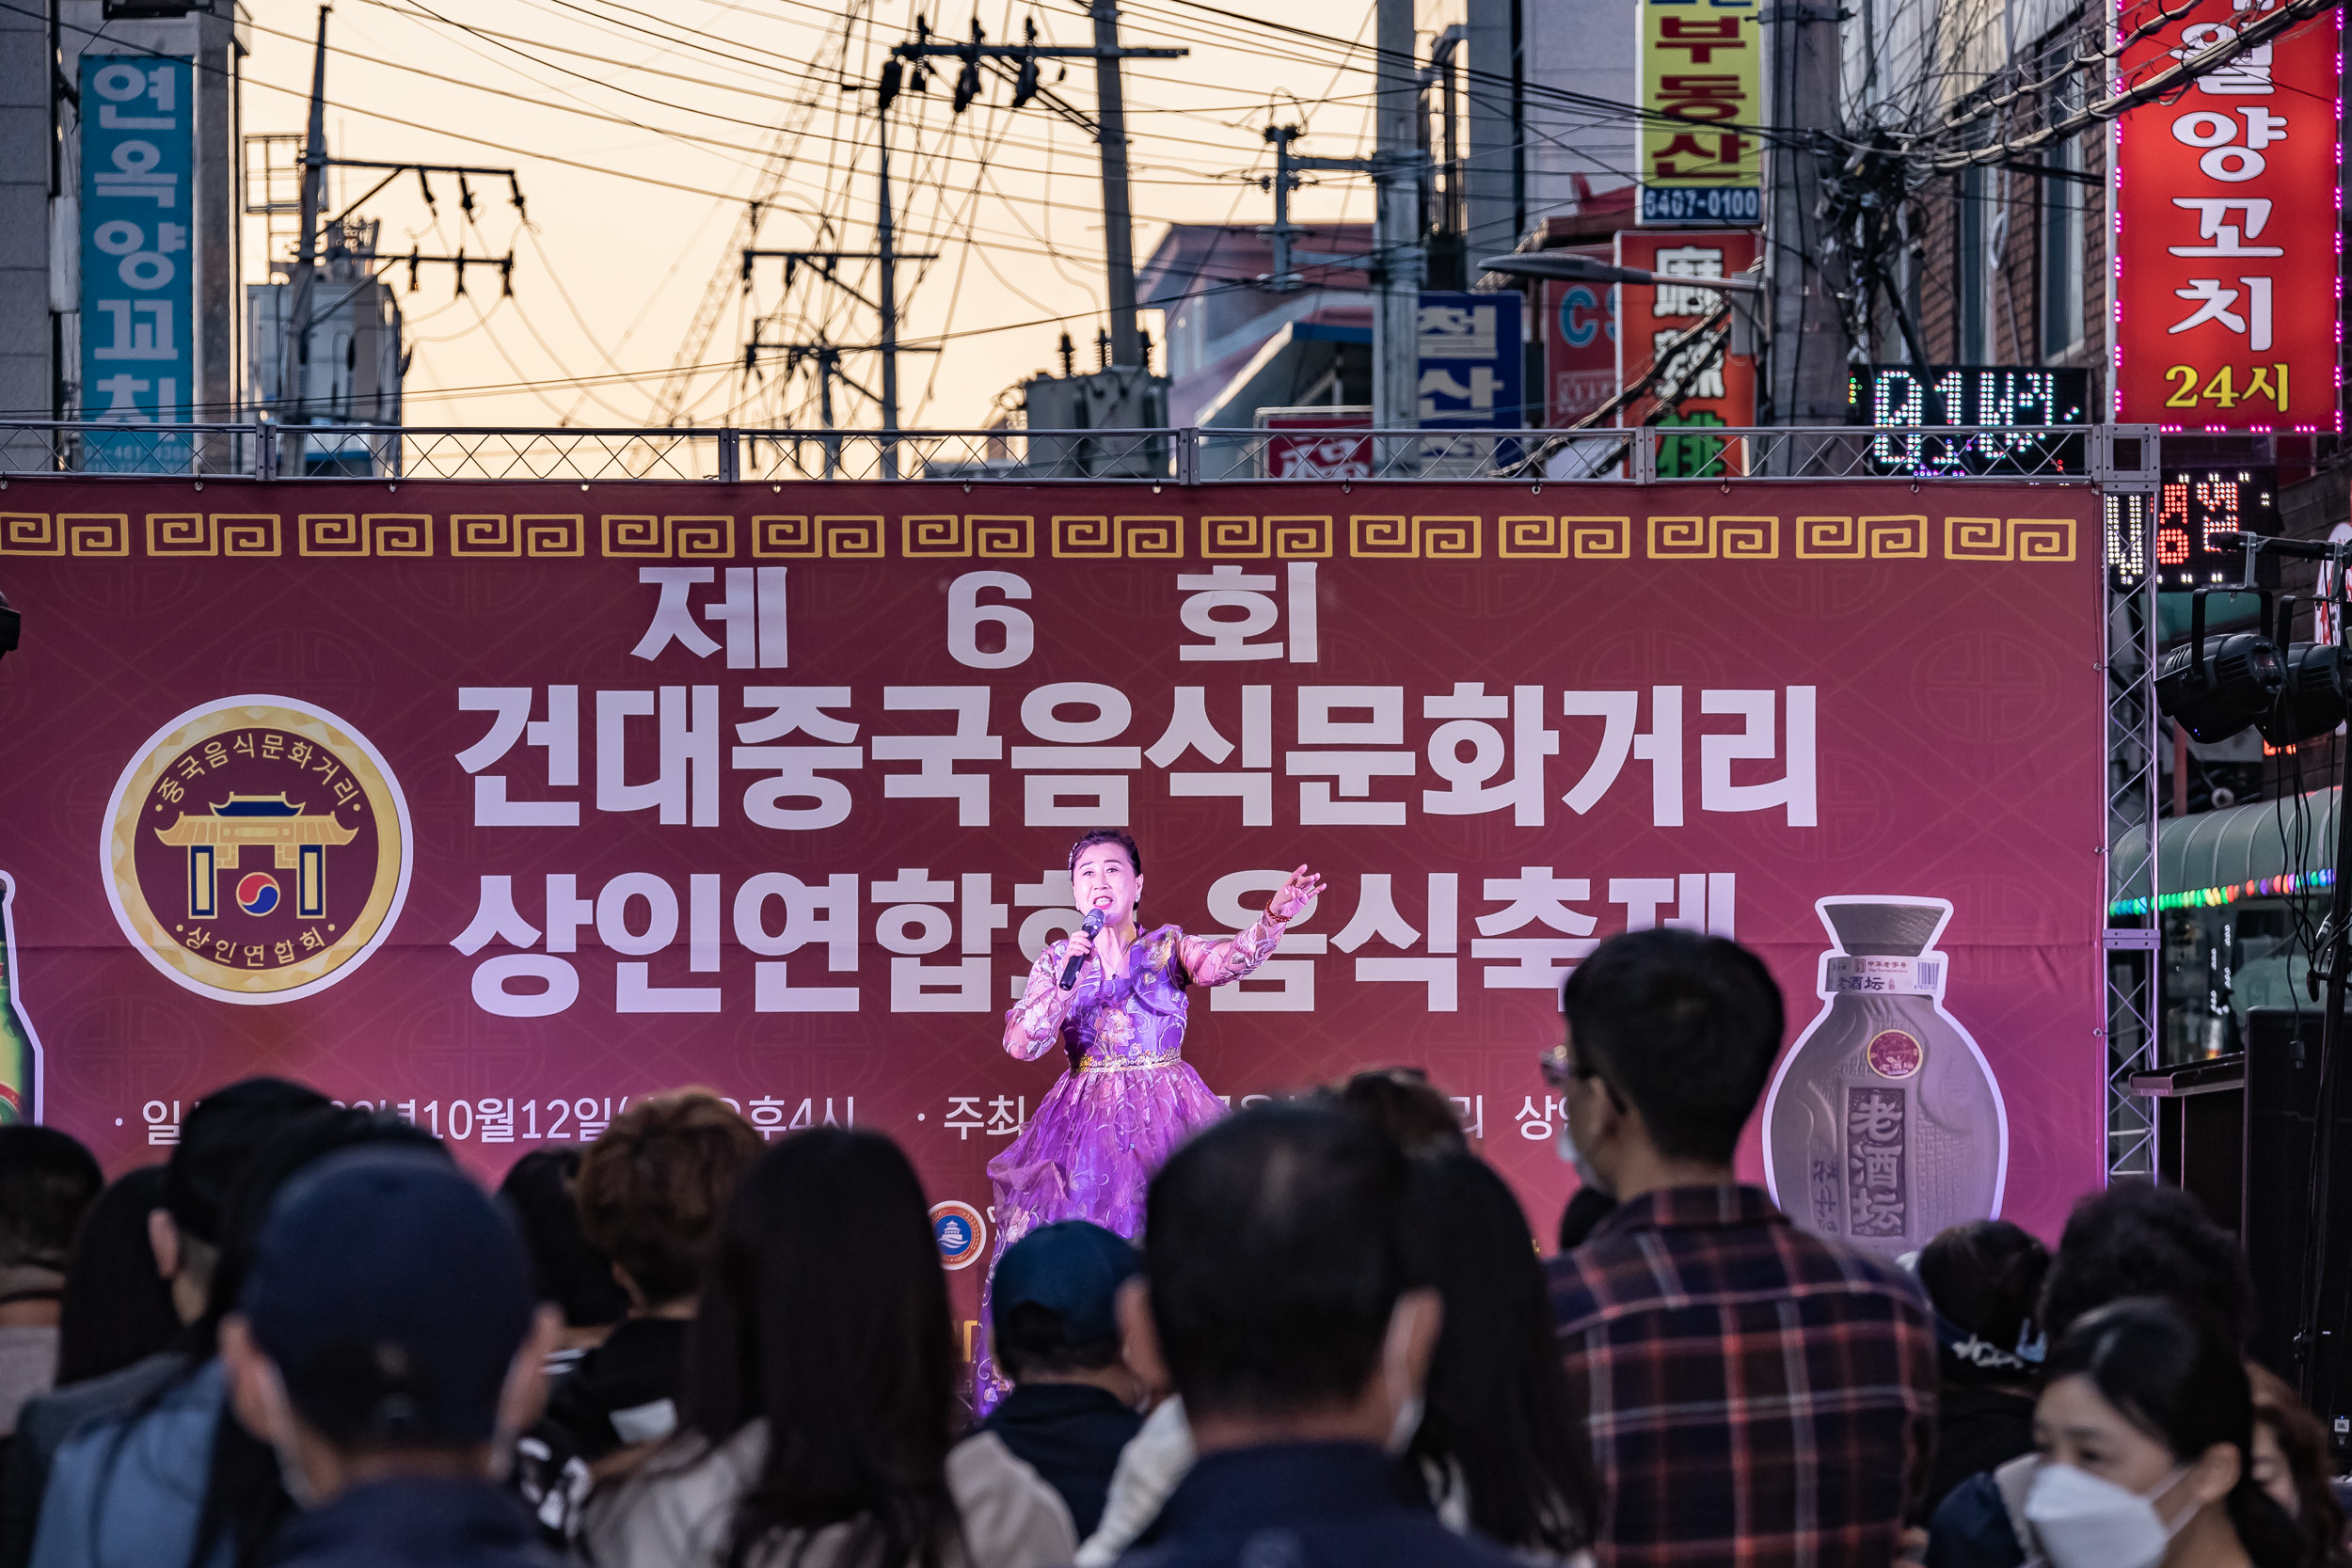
x=1473, y=371
x=138, y=283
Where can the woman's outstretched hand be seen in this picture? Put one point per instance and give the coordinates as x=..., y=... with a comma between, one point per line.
x=1303, y=889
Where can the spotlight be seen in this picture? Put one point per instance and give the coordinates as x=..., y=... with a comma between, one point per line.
x=2312, y=702
x=12, y=627
x=2212, y=691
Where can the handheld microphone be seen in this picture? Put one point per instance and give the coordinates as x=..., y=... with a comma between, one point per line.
x=1093, y=925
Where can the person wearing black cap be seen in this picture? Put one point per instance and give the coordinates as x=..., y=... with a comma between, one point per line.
x=168, y=1390
x=388, y=1345
x=1055, y=1328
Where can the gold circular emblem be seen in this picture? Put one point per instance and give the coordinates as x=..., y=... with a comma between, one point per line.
x=255, y=849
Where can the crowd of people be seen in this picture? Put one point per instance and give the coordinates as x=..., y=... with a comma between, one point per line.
x=309, y=1338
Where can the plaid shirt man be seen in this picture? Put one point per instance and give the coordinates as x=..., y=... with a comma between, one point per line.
x=1756, y=1396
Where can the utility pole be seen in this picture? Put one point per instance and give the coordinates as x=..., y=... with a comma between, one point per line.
x=1494, y=133
x=1443, y=212
x=1110, y=134
x=1398, y=265
x=1809, y=347
x=293, y=375
x=884, y=235
x=827, y=263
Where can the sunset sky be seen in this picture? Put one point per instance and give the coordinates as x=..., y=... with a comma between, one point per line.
x=640, y=133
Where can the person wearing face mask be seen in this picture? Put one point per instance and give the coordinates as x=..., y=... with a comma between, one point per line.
x=1112, y=998
x=388, y=1347
x=1276, y=1300
x=1761, y=1395
x=2145, y=1430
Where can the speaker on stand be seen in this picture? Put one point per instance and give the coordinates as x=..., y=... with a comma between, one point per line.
x=2275, y=1219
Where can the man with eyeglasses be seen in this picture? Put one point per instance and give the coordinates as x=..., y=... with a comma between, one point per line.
x=1757, y=1395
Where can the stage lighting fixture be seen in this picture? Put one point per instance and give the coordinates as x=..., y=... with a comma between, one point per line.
x=2313, y=701
x=2215, y=688
x=12, y=627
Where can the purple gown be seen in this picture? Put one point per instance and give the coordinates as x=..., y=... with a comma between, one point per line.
x=1127, y=1098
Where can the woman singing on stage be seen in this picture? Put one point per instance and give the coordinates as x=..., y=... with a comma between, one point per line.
x=1128, y=1097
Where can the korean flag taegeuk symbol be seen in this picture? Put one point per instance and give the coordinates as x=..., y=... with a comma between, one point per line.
x=257, y=893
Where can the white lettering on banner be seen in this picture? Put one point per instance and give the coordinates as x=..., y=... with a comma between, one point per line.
x=1535, y=1114
x=639, y=917
x=937, y=778
x=634, y=992
x=2248, y=73
x=1071, y=800
x=915, y=926
x=768, y=1112
x=794, y=769
x=1377, y=916
x=510, y=1118
x=963, y=1116
x=689, y=754
x=752, y=612
x=558, y=734
x=1320, y=724
x=1295, y=976
x=673, y=617
x=1794, y=791
x=966, y=615
x=1661, y=746
x=496, y=919
x=1533, y=897
x=827, y=915
x=1190, y=729
x=1703, y=901
x=1466, y=713
x=1230, y=588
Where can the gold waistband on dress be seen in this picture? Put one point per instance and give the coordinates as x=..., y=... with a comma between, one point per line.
x=1128, y=1064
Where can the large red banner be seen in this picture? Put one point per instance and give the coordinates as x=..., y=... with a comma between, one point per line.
x=2226, y=249
x=499, y=805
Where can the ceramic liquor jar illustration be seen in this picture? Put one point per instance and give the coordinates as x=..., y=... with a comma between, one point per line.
x=1884, y=1124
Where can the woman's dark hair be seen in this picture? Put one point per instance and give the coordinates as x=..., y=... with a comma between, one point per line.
x=1107, y=835
x=244, y=1496
x=48, y=1181
x=2304, y=1442
x=2138, y=1240
x=2172, y=1372
x=1499, y=1412
x=1984, y=1281
x=116, y=1309
x=825, y=1312
x=1402, y=1102
x=568, y=1270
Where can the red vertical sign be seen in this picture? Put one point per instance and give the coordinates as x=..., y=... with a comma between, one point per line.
x=1718, y=388
x=2227, y=242
x=1580, y=346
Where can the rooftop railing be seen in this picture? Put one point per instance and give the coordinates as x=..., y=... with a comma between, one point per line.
x=2056, y=453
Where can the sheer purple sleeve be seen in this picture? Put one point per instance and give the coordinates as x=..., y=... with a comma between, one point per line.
x=1216, y=963
x=1033, y=1025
